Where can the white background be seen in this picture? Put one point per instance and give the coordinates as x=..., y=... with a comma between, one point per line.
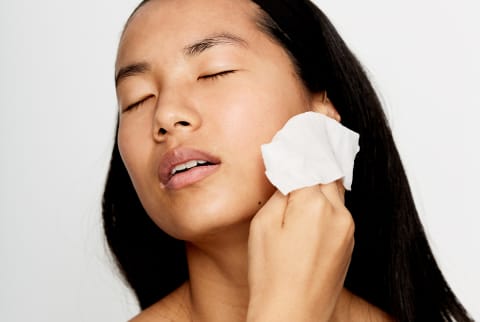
x=57, y=112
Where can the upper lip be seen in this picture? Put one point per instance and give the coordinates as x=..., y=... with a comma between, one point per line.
x=177, y=156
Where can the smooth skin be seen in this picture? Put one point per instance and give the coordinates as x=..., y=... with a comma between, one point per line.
x=200, y=74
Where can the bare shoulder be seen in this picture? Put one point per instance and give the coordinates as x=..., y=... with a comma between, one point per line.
x=171, y=308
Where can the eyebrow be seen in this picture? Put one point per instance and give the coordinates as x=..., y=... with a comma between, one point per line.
x=131, y=70
x=194, y=49
x=200, y=46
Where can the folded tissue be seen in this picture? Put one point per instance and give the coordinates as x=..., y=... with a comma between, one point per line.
x=310, y=149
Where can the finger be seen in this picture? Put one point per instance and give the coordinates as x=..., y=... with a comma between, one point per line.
x=334, y=192
x=341, y=190
x=272, y=213
x=303, y=195
x=304, y=201
x=317, y=196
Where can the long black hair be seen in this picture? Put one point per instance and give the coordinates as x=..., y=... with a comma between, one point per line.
x=392, y=265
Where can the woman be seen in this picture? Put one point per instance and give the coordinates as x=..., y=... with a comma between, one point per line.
x=199, y=232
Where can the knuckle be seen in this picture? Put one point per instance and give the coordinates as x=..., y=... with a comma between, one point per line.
x=256, y=224
x=320, y=211
x=346, y=222
x=320, y=203
x=260, y=223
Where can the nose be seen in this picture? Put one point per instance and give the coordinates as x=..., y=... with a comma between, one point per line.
x=174, y=116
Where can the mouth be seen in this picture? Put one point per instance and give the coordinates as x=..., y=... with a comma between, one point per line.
x=183, y=166
x=189, y=165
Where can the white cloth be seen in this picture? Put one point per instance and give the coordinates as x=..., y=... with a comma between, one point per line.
x=310, y=149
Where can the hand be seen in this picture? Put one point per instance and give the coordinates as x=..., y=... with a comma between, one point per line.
x=300, y=247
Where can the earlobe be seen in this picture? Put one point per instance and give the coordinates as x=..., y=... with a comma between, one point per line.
x=321, y=104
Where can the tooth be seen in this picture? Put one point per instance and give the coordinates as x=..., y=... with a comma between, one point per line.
x=190, y=164
x=178, y=168
x=187, y=165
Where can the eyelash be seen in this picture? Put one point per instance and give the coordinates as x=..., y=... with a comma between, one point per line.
x=211, y=77
x=217, y=75
x=136, y=104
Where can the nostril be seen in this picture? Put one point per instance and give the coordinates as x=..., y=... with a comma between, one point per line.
x=182, y=123
x=162, y=131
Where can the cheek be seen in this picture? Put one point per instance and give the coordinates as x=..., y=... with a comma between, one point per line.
x=134, y=155
x=256, y=108
x=244, y=120
x=126, y=145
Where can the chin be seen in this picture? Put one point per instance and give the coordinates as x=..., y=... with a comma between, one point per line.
x=207, y=210
x=211, y=221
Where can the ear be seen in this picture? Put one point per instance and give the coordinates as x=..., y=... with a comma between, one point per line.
x=321, y=104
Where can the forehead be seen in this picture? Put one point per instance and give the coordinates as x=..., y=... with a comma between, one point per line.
x=171, y=24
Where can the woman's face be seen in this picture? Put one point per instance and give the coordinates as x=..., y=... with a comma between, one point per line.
x=198, y=81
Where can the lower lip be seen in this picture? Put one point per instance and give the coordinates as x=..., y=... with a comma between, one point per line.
x=190, y=177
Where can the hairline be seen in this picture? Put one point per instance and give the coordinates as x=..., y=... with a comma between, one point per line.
x=262, y=20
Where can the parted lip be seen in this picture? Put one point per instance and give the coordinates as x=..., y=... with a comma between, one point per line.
x=178, y=156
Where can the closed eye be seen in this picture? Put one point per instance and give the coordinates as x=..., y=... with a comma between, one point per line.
x=217, y=75
x=137, y=104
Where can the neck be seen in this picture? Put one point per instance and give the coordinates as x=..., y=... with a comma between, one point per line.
x=218, y=267
x=218, y=286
